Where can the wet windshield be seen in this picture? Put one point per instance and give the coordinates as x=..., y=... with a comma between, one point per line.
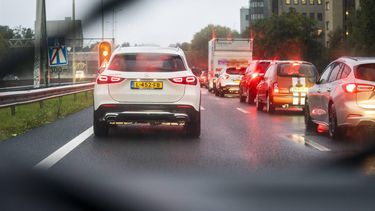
x=95, y=90
x=147, y=63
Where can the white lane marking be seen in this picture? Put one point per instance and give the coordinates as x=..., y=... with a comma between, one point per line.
x=316, y=146
x=243, y=111
x=202, y=108
x=301, y=139
x=59, y=154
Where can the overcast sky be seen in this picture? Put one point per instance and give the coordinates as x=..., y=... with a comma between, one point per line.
x=151, y=21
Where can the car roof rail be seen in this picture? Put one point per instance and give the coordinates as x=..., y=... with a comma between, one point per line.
x=350, y=57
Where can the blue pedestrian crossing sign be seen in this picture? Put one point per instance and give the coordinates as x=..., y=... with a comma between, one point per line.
x=57, y=52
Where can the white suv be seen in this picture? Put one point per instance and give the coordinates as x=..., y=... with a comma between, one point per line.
x=343, y=97
x=228, y=80
x=147, y=85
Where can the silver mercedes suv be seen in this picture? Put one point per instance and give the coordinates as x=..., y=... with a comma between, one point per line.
x=343, y=97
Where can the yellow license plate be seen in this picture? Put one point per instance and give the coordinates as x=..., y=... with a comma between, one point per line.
x=146, y=85
x=237, y=81
x=299, y=89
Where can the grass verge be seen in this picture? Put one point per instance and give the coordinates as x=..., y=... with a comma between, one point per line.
x=35, y=115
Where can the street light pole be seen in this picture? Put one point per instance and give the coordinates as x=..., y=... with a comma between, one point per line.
x=114, y=26
x=74, y=42
x=102, y=20
x=40, y=45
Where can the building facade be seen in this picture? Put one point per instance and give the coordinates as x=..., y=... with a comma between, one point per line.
x=329, y=15
x=259, y=9
x=313, y=9
x=337, y=15
x=244, y=12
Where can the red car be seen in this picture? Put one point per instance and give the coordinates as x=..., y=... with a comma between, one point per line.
x=253, y=75
x=203, y=79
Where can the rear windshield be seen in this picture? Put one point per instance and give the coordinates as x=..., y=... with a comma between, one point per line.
x=366, y=72
x=236, y=71
x=147, y=62
x=262, y=67
x=297, y=70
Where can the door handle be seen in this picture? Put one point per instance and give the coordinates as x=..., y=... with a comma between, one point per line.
x=329, y=90
x=319, y=91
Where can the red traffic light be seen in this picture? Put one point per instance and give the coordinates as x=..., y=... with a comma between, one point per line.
x=105, y=52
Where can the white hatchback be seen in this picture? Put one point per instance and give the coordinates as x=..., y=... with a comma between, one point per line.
x=147, y=85
x=344, y=97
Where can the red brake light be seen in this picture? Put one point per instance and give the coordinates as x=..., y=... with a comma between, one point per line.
x=103, y=79
x=355, y=88
x=189, y=80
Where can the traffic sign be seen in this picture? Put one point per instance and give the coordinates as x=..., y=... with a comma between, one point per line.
x=57, y=52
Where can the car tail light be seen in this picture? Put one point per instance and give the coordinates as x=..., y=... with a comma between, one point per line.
x=254, y=75
x=189, y=80
x=104, y=79
x=355, y=88
x=275, y=88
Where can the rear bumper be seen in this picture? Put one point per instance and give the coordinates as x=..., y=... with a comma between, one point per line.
x=351, y=115
x=230, y=89
x=112, y=113
x=289, y=101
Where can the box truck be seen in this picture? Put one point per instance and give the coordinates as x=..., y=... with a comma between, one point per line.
x=223, y=52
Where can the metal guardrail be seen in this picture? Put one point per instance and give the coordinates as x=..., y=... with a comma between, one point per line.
x=15, y=98
x=31, y=87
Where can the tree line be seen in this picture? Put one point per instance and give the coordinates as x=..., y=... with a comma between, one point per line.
x=10, y=57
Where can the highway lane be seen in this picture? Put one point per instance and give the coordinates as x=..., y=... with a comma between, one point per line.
x=234, y=137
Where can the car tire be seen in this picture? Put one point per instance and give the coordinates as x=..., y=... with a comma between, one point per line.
x=221, y=93
x=250, y=98
x=214, y=88
x=193, y=127
x=242, y=98
x=259, y=105
x=309, y=124
x=335, y=132
x=269, y=105
x=100, y=128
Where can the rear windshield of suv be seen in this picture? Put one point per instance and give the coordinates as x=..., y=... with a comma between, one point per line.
x=297, y=70
x=236, y=71
x=366, y=72
x=147, y=62
x=262, y=67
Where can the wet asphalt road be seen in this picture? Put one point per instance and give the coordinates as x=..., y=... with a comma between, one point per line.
x=235, y=137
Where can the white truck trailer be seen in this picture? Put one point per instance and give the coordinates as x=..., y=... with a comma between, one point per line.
x=223, y=52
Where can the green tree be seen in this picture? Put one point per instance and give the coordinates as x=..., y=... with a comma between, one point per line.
x=362, y=32
x=185, y=46
x=23, y=33
x=288, y=36
x=338, y=45
x=199, y=44
x=5, y=34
